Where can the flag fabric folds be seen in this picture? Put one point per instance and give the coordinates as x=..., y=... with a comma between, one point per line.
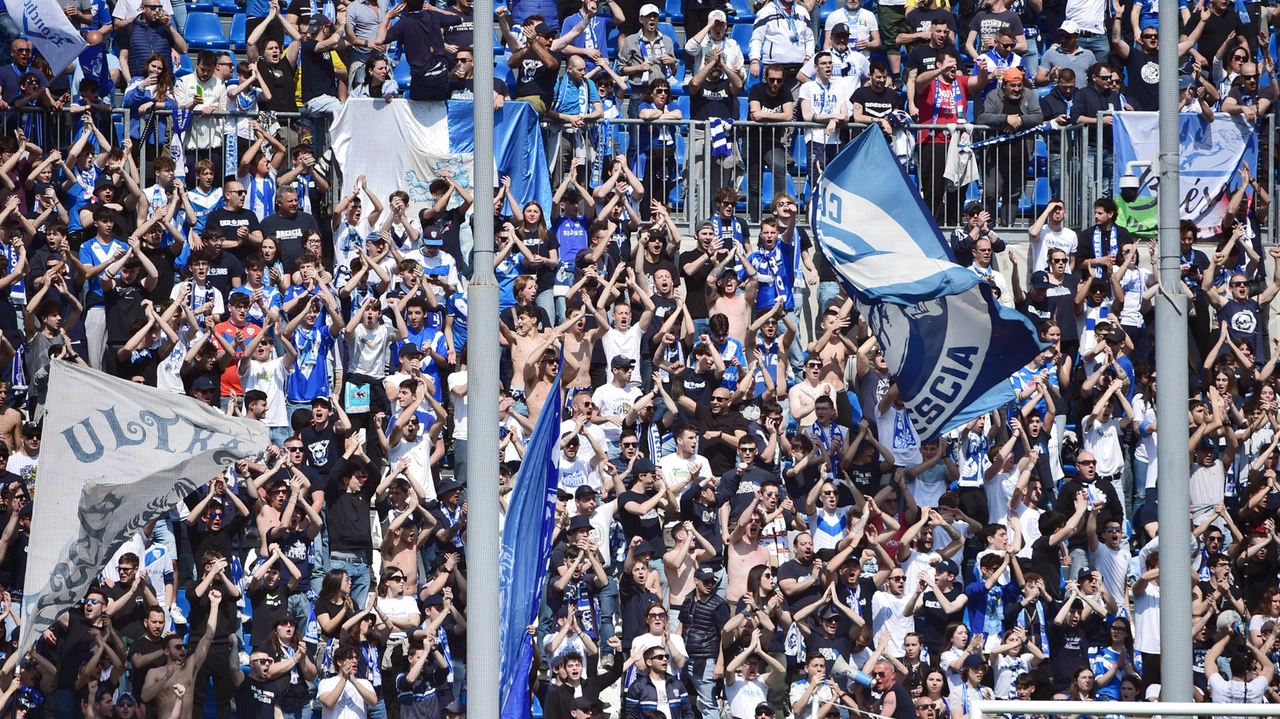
x=950, y=347
x=116, y=455
x=526, y=550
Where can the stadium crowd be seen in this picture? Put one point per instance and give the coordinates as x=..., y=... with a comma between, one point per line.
x=747, y=524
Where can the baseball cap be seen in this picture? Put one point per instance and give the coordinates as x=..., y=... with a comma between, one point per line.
x=544, y=30
x=642, y=465
x=322, y=402
x=585, y=491
x=828, y=612
x=448, y=486
x=705, y=574
x=974, y=660
x=620, y=361
x=1040, y=280
x=840, y=29
x=456, y=707
x=203, y=384
x=584, y=704
x=1153, y=692
x=318, y=21
x=1185, y=81
x=947, y=566
x=433, y=600
x=717, y=16
x=649, y=9
x=1069, y=27
x=431, y=235
x=973, y=208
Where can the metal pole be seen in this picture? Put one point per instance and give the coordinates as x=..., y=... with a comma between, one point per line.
x=1171, y=405
x=482, y=397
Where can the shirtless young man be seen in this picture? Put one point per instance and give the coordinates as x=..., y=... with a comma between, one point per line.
x=834, y=347
x=174, y=682
x=726, y=297
x=579, y=344
x=10, y=421
x=745, y=550
x=804, y=394
x=404, y=537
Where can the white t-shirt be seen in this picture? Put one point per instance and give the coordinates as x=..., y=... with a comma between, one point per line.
x=269, y=377
x=625, y=344
x=745, y=696
x=1146, y=621
x=820, y=696
x=350, y=705
x=1237, y=692
x=346, y=243
x=419, y=454
x=1113, y=565
x=615, y=401
x=862, y=22
x=824, y=100
x=1103, y=440
x=1049, y=239
x=371, y=349
x=999, y=490
x=457, y=379
x=1134, y=283
x=1089, y=15
x=676, y=470
x=1144, y=412
x=886, y=613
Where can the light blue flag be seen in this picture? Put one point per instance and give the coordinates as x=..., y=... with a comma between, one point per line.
x=950, y=347
x=526, y=551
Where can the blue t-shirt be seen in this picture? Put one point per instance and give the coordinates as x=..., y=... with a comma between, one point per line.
x=456, y=307
x=93, y=253
x=272, y=297
x=571, y=233
x=309, y=377
x=427, y=338
x=595, y=37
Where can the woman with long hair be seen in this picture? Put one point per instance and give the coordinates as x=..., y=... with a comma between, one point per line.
x=764, y=602
x=362, y=632
x=933, y=690
x=1082, y=686
x=657, y=146
x=958, y=646
x=332, y=608
x=273, y=257
x=972, y=690
x=541, y=253
x=378, y=80
x=292, y=663
x=147, y=94
x=1144, y=420
x=657, y=635
x=1115, y=661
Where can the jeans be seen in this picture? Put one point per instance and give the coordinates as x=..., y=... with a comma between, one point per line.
x=1031, y=58
x=1098, y=44
x=357, y=570
x=701, y=327
x=656, y=565
x=460, y=460
x=180, y=14
x=429, y=87
x=608, y=608
x=377, y=711
x=795, y=353
x=704, y=685
x=64, y=700
x=280, y=434
x=546, y=300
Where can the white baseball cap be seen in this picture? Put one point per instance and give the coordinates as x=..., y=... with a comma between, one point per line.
x=717, y=15
x=649, y=9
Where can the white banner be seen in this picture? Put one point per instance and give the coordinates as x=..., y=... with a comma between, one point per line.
x=45, y=24
x=116, y=456
x=1210, y=154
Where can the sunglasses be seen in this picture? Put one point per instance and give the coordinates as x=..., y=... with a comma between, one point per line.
x=237, y=192
x=658, y=658
x=1086, y=461
x=1239, y=284
x=93, y=601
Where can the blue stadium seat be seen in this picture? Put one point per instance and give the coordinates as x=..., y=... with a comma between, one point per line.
x=742, y=12
x=827, y=8
x=229, y=7
x=612, y=39
x=498, y=47
x=204, y=32
x=741, y=34
x=1041, y=195
x=743, y=107
x=674, y=12
x=669, y=30
x=238, y=32
x=184, y=67
x=401, y=74
x=201, y=6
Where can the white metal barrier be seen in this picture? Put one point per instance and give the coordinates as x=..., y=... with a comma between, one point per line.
x=1103, y=708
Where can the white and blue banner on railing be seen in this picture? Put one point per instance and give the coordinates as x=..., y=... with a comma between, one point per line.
x=949, y=345
x=45, y=24
x=1210, y=152
x=526, y=550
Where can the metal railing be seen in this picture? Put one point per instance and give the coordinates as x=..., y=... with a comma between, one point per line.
x=52, y=129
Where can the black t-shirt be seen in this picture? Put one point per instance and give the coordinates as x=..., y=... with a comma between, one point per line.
x=931, y=620
x=721, y=455
x=698, y=387
x=1063, y=300
x=462, y=34
x=330, y=610
x=198, y=618
x=73, y=645
x=877, y=104
x=1046, y=560
x=1068, y=651
x=464, y=88
x=793, y=569
x=695, y=300
x=1038, y=311
x=837, y=647
x=257, y=699
x=770, y=103
x=541, y=245
x=536, y=79
x=987, y=24
x=717, y=100
x=706, y=520
x=646, y=526
x=1250, y=99
x=230, y=223
x=922, y=59
x=288, y=234
x=1142, y=80
x=449, y=223
x=269, y=605
x=146, y=645
x=128, y=621
x=222, y=270
x=921, y=20
x=123, y=305
x=278, y=77
x=322, y=447
x=318, y=75
x=1216, y=30
x=162, y=258
x=221, y=541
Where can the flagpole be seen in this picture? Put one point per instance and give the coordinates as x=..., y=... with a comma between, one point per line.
x=484, y=657
x=1172, y=387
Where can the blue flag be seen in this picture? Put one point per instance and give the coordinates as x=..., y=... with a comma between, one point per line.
x=950, y=347
x=526, y=551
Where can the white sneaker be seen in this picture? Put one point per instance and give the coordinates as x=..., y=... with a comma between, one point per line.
x=175, y=613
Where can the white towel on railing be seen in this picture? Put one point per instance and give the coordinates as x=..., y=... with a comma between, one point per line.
x=962, y=166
